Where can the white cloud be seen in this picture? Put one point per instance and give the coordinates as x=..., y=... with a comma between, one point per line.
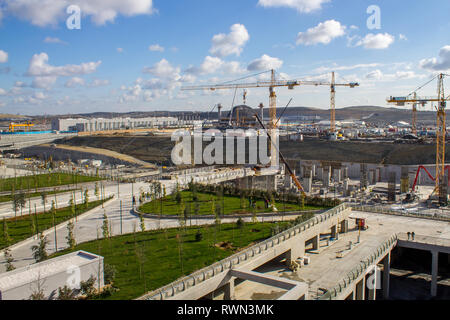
x=399, y=75
x=39, y=67
x=2, y=92
x=119, y=50
x=43, y=82
x=39, y=95
x=3, y=56
x=402, y=37
x=265, y=63
x=163, y=69
x=75, y=81
x=304, y=6
x=376, y=41
x=49, y=12
x=156, y=47
x=212, y=65
x=346, y=68
x=323, y=33
x=99, y=83
x=442, y=63
x=54, y=40
x=227, y=44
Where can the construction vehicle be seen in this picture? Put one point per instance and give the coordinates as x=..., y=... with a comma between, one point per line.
x=361, y=224
x=13, y=126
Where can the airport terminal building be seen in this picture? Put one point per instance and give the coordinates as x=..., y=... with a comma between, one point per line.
x=100, y=124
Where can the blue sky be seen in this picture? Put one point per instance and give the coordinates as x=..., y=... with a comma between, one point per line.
x=133, y=55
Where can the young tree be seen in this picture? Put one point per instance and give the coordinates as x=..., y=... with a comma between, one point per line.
x=6, y=237
x=105, y=226
x=96, y=190
x=38, y=292
x=40, y=250
x=86, y=198
x=44, y=199
x=66, y=293
x=72, y=205
x=70, y=236
x=9, y=260
x=141, y=222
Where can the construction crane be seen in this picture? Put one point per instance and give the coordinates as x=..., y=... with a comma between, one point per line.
x=13, y=125
x=272, y=84
x=441, y=129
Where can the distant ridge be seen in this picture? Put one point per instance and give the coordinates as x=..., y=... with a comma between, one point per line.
x=373, y=114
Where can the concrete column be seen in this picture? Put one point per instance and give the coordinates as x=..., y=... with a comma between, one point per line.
x=360, y=289
x=434, y=272
x=229, y=290
x=316, y=240
x=344, y=226
x=373, y=291
x=386, y=275
x=334, y=231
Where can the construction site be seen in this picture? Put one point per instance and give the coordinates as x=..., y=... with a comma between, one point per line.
x=386, y=236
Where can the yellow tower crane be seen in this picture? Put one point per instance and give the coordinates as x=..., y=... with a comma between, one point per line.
x=441, y=130
x=272, y=84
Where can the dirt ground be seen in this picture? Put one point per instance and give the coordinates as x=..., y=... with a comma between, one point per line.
x=157, y=149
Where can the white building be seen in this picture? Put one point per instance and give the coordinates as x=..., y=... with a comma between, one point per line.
x=50, y=275
x=100, y=124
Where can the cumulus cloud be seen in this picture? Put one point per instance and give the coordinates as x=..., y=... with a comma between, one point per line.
x=43, y=82
x=119, y=50
x=54, y=40
x=442, y=63
x=163, y=69
x=323, y=33
x=227, y=44
x=399, y=75
x=265, y=63
x=156, y=47
x=49, y=12
x=2, y=92
x=212, y=65
x=303, y=6
x=376, y=41
x=39, y=67
x=74, y=82
x=3, y=56
x=99, y=83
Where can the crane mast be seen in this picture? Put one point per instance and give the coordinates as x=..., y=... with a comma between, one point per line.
x=273, y=122
x=440, y=143
x=333, y=104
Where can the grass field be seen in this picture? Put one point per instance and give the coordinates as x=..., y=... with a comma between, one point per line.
x=232, y=205
x=22, y=228
x=43, y=181
x=148, y=260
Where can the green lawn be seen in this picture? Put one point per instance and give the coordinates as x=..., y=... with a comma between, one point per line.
x=231, y=204
x=23, y=228
x=43, y=181
x=148, y=260
x=33, y=195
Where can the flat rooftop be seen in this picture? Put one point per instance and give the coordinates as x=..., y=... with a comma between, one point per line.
x=44, y=269
x=326, y=269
